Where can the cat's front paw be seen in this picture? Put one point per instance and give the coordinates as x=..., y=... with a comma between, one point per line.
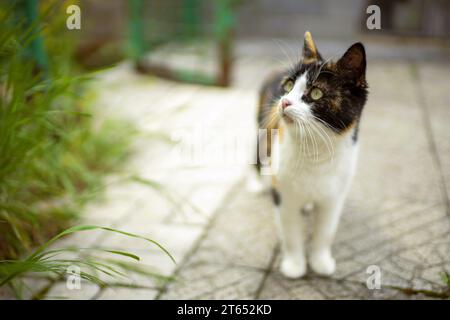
x=322, y=263
x=293, y=269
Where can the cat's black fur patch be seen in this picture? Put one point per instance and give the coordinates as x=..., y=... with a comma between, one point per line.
x=276, y=197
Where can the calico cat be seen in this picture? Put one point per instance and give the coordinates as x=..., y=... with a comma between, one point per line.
x=316, y=107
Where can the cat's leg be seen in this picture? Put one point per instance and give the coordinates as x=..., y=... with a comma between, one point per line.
x=293, y=263
x=327, y=217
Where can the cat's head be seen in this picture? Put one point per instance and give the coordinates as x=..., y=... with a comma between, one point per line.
x=331, y=93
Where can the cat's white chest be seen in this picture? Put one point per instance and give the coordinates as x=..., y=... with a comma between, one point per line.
x=313, y=176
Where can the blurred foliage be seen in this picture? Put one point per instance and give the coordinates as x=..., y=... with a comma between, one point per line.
x=51, y=155
x=53, y=264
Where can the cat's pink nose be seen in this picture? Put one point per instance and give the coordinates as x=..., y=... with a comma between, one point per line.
x=285, y=103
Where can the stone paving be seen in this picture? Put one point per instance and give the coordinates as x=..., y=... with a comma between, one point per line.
x=223, y=238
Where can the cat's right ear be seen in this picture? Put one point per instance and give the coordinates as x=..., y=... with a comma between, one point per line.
x=310, y=52
x=353, y=62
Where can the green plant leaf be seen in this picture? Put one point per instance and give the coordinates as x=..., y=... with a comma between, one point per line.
x=91, y=227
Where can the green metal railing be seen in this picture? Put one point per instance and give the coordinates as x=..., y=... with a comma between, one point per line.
x=28, y=13
x=223, y=35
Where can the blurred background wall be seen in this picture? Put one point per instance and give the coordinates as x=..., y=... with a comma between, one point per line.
x=410, y=29
x=345, y=18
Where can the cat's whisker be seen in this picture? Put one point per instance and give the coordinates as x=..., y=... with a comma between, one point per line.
x=320, y=69
x=282, y=64
x=308, y=139
x=326, y=125
x=291, y=63
x=304, y=142
x=271, y=120
x=325, y=138
x=316, y=142
x=297, y=134
x=335, y=117
x=301, y=150
x=325, y=142
x=299, y=162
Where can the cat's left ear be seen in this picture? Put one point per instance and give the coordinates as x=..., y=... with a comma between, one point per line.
x=353, y=63
x=310, y=52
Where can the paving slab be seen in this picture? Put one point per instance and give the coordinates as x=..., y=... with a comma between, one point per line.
x=435, y=87
x=235, y=254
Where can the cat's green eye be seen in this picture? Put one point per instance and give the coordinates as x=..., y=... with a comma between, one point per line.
x=316, y=94
x=288, y=85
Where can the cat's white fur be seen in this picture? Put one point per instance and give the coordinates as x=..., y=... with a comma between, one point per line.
x=316, y=167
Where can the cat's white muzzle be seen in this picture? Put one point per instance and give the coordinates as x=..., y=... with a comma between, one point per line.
x=294, y=114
